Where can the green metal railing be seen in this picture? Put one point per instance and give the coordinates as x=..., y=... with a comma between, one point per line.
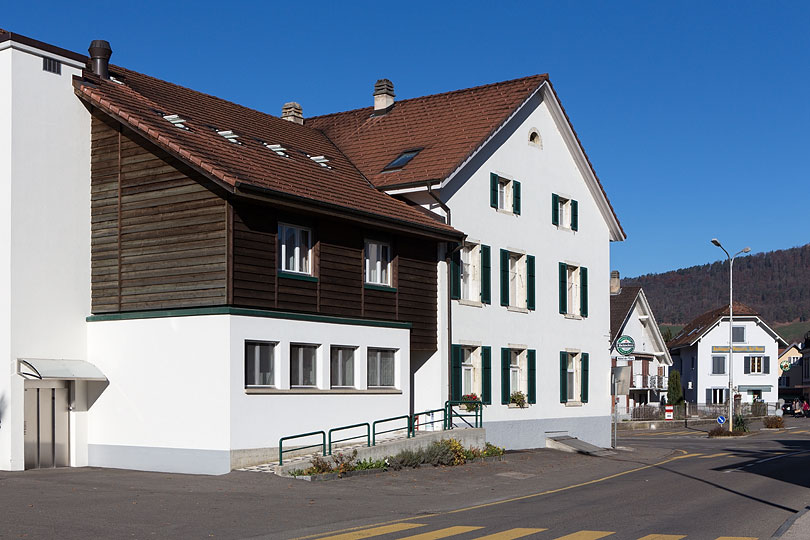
x=415, y=421
x=408, y=427
x=477, y=413
x=368, y=434
x=281, y=444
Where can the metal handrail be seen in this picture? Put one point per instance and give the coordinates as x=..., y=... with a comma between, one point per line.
x=281, y=441
x=414, y=421
x=374, y=431
x=368, y=434
x=478, y=413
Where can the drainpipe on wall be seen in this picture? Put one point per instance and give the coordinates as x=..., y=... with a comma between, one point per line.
x=449, y=251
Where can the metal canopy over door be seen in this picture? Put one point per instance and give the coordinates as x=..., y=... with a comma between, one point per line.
x=46, y=428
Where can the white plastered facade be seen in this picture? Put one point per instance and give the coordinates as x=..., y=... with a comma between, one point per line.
x=44, y=230
x=695, y=362
x=553, y=167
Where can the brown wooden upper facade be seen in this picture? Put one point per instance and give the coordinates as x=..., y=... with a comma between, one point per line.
x=165, y=236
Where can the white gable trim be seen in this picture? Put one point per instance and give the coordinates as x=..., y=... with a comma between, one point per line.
x=652, y=325
x=720, y=319
x=576, y=150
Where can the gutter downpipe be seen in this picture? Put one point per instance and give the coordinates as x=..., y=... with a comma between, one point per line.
x=447, y=259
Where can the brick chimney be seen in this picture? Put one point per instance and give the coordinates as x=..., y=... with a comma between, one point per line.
x=293, y=112
x=383, y=96
x=615, y=282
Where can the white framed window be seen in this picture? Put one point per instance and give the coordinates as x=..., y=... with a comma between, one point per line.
x=517, y=280
x=718, y=365
x=757, y=365
x=719, y=395
x=564, y=212
x=471, y=272
x=260, y=363
x=467, y=370
x=504, y=194
x=574, y=374
x=341, y=367
x=303, y=362
x=378, y=263
x=738, y=334
x=295, y=247
x=381, y=367
x=515, y=379
x=572, y=290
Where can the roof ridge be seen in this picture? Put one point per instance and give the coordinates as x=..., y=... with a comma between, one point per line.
x=439, y=94
x=212, y=96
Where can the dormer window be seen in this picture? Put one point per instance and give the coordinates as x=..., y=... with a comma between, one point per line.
x=403, y=159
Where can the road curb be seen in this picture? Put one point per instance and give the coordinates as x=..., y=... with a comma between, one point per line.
x=789, y=522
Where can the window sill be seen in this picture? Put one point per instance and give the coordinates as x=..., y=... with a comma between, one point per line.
x=293, y=275
x=573, y=404
x=517, y=309
x=573, y=317
x=471, y=303
x=516, y=406
x=506, y=212
x=376, y=287
x=563, y=228
x=310, y=391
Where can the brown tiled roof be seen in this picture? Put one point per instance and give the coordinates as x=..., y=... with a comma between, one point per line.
x=620, y=306
x=447, y=127
x=141, y=102
x=701, y=323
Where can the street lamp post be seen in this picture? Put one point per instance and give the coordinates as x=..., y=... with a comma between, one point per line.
x=716, y=242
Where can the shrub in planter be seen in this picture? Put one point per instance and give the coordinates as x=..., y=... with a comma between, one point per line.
x=773, y=422
x=518, y=398
x=740, y=423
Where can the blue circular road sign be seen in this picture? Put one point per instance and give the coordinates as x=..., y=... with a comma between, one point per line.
x=721, y=420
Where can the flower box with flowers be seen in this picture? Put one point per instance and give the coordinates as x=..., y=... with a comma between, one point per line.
x=472, y=399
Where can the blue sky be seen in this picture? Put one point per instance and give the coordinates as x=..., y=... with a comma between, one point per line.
x=695, y=114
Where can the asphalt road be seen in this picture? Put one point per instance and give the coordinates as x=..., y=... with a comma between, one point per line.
x=676, y=482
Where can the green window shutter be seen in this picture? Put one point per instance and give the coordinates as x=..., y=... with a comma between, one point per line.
x=766, y=364
x=563, y=288
x=530, y=281
x=531, y=360
x=747, y=365
x=455, y=275
x=563, y=377
x=506, y=393
x=574, y=215
x=493, y=190
x=455, y=372
x=486, y=379
x=583, y=291
x=516, y=197
x=555, y=209
x=486, y=275
x=504, y=277
x=585, y=362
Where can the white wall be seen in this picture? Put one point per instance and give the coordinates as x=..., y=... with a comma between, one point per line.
x=45, y=237
x=755, y=335
x=541, y=172
x=259, y=420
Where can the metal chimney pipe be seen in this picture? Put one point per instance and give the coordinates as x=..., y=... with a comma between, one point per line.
x=100, y=53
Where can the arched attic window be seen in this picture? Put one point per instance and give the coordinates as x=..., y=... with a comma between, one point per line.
x=535, y=139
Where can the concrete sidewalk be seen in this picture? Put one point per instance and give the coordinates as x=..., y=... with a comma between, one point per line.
x=799, y=529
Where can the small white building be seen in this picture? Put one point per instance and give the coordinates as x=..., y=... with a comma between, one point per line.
x=700, y=353
x=636, y=341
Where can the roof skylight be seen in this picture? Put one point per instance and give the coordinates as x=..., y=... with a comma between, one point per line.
x=277, y=148
x=403, y=159
x=176, y=121
x=230, y=135
x=321, y=160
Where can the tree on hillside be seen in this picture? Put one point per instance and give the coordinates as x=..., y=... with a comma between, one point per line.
x=674, y=389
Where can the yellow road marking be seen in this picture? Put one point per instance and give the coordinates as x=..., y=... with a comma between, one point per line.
x=510, y=534
x=802, y=431
x=376, y=531
x=585, y=535
x=736, y=538
x=663, y=537
x=721, y=454
x=683, y=455
x=442, y=533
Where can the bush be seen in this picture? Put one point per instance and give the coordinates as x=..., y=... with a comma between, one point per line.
x=773, y=422
x=720, y=431
x=319, y=465
x=439, y=453
x=343, y=463
x=366, y=464
x=518, y=398
x=406, y=458
x=740, y=423
x=674, y=388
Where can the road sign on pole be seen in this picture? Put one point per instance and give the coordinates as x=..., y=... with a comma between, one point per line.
x=669, y=412
x=721, y=420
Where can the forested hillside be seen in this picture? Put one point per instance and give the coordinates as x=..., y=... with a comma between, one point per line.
x=776, y=284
